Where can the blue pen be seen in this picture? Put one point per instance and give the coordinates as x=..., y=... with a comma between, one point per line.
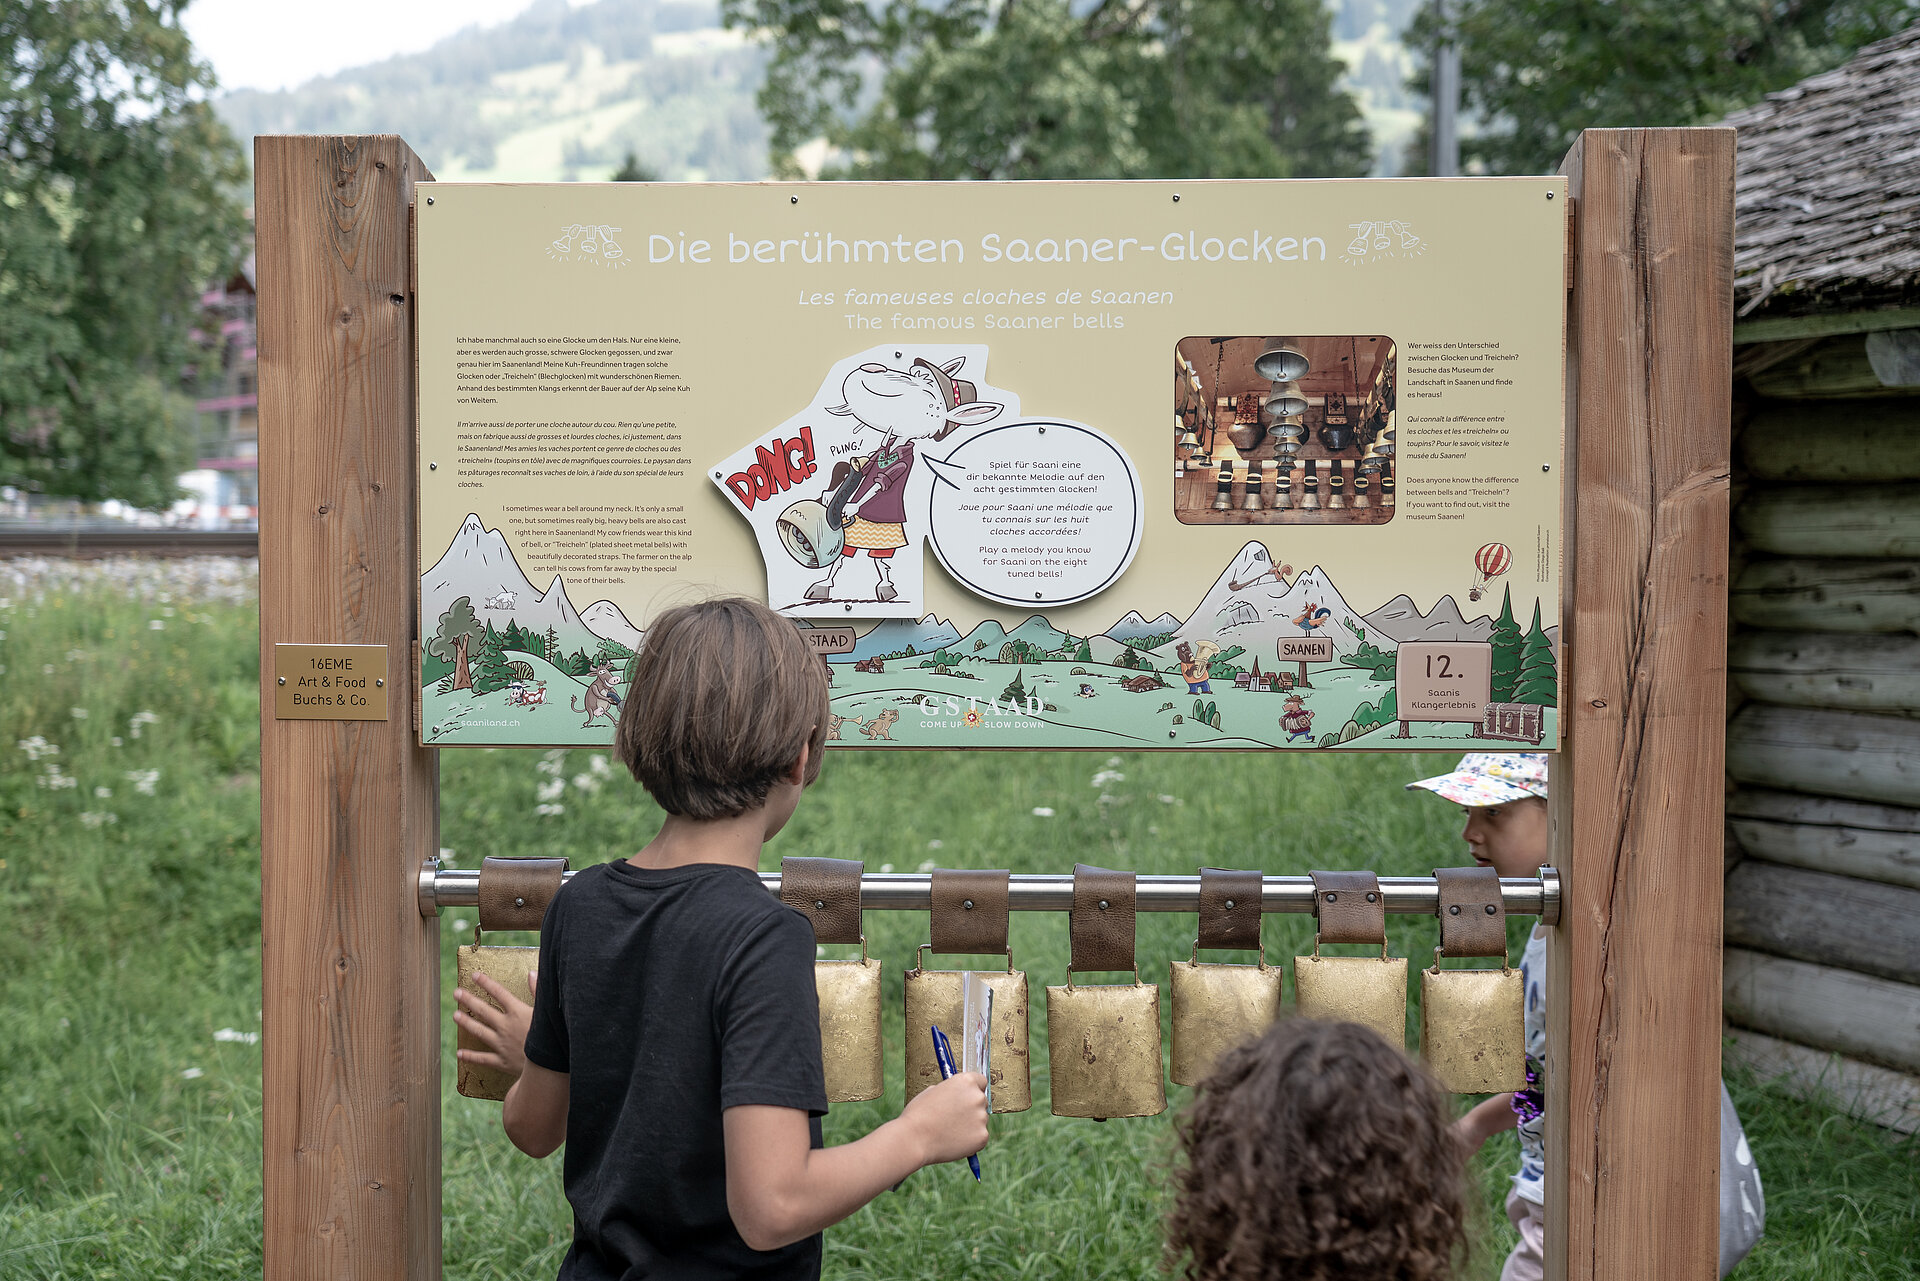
x=943, y=1055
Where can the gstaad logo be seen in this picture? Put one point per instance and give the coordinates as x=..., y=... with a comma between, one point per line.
x=590, y=243
x=1382, y=238
x=972, y=712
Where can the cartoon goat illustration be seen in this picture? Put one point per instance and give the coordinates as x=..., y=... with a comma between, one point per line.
x=923, y=402
x=503, y=601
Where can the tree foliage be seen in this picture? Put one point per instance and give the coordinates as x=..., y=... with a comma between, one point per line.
x=983, y=89
x=116, y=209
x=1538, y=682
x=453, y=639
x=1534, y=73
x=1506, y=651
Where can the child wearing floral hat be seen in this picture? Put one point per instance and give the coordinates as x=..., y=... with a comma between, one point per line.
x=1505, y=797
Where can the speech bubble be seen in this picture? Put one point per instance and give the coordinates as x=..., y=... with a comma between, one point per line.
x=1037, y=512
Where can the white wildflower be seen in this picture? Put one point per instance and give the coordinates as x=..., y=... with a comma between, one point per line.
x=143, y=780
x=138, y=719
x=553, y=762
x=103, y=793
x=1112, y=761
x=886, y=867
x=1106, y=776
x=38, y=747
x=550, y=791
x=236, y=1036
x=192, y=1074
x=934, y=844
x=55, y=780
x=1043, y=811
x=116, y=740
x=76, y=655
x=598, y=764
x=98, y=819
x=929, y=865
x=78, y=713
x=156, y=625
x=549, y=810
x=462, y=926
x=586, y=783
x=1170, y=800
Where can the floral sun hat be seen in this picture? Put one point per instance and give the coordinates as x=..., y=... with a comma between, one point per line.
x=1491, y=778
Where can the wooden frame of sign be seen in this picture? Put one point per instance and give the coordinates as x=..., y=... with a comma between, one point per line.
x=350, y=989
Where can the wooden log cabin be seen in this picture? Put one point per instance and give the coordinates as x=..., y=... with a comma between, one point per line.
x=1822, y=973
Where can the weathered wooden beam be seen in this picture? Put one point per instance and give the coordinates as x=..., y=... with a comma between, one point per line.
x=1823, y=441
x=350, y=1005
x=1862, y=1090
x=1869, y=1018
x=1633, y=1088
x=1813, y=669
x=1825, y=919
x=1852, y=754
x=1851, y=838
x=1804, y=594
x=1837, y=368
x=1825, y=325
x=1832, y=520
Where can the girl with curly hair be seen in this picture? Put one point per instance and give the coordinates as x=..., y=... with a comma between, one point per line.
x=1318, y=1153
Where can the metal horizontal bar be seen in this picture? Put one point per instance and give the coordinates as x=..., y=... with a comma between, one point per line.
x=1053, y=892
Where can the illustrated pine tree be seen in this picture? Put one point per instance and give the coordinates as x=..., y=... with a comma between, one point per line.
x=458, y=629
x=1506, y=651
x=1085, y=653
x=1015, y=693
x=1539, y=681
x=550, y=650
x=490, y=670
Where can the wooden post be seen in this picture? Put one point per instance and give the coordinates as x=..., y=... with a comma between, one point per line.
x=348, y=809
x=1634, y=966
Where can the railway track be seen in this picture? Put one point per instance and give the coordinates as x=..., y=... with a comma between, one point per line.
x=88, y=542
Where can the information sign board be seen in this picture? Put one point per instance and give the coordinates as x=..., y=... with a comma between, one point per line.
x=1046, y=457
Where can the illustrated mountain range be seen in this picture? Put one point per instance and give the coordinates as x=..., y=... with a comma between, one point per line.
x=479, y=565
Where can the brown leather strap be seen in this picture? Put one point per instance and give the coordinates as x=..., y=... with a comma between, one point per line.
x=1100, y=926
x=969, y=911
x=827, y=890
x=1350, y=907
x=1473, y=919
x=1229, y=909
x=514, y=892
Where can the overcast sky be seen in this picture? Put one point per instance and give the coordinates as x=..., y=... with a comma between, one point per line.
x=275, y=44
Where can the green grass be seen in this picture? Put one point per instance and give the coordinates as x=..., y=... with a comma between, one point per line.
x=131, y=942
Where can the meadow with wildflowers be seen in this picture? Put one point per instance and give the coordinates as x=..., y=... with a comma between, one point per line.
x=129, y=969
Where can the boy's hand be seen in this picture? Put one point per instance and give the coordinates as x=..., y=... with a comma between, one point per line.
x=503, y=1031
x=950, y=1119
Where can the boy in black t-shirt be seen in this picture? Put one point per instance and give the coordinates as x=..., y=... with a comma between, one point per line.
x=674, y=1041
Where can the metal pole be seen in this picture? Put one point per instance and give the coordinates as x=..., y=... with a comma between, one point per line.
x=1053, y=892
x=1446, y=98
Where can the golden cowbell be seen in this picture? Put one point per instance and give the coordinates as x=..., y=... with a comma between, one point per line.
x=933, y=997
x=827, y=892
x=1104, y=1057
x=1215, y=1009
x=849, y=994
x=1368, y=990
x=1219, y=1007
x=1472, y=1022
x=513, y=895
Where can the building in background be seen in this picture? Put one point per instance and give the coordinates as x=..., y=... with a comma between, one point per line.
x=225, y=487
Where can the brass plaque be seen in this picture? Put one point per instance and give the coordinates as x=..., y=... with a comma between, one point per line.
x=330, y=682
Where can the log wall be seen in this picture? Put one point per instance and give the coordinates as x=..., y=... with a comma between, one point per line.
x=1822, y=973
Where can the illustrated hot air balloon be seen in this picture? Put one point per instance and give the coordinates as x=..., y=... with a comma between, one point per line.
x=1492, y=561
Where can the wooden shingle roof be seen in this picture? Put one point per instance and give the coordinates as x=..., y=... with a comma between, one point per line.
x=1827, y=189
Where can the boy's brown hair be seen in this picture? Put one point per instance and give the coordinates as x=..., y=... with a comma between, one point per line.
x=1317, y=1153
x=724, y=695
